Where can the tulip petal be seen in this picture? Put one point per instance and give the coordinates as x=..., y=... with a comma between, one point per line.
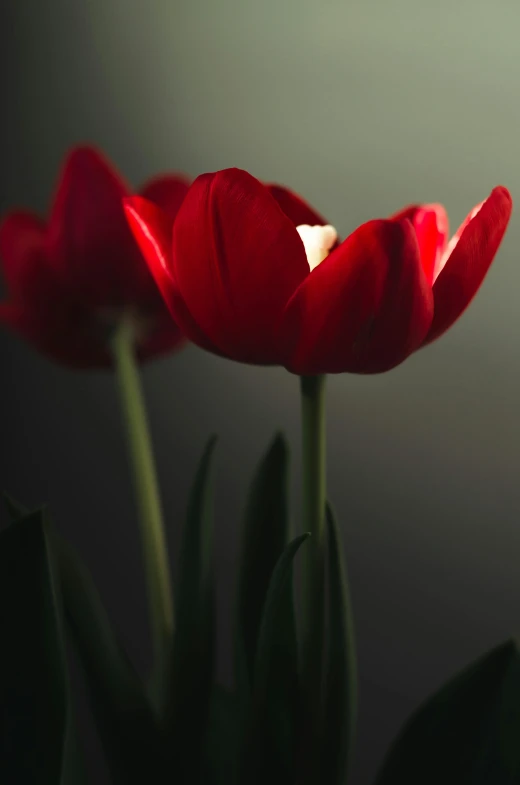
x=73, y=340
x=152, y=229
x=89, y=241
x=21, y=244
x=468, y=258
x=69, y=283
x=55, y=336
x=167, y=192
x=10, y=314
x=24, y=323
x=430, y=222
x=364, y=309
x=237, y=259
x=295, y=207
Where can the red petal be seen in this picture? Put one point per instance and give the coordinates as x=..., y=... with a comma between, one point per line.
x=152, y=229
x=365, y=308
x=469, y=256
x=294, y=207
x=10, y=313
x=21, y=320
x=60, y=326
x=167, y=192
x=237, y=259
x=430, y=222
x=21, y=246
x=57, y=340
x=89, y=241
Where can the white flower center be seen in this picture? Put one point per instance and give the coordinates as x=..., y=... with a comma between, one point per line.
x=317, y=241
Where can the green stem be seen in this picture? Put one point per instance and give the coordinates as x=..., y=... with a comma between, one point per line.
x=160, y=596
x=313, y=514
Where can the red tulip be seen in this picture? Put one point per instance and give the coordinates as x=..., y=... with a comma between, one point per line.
x=72, y=278
x=243, y=282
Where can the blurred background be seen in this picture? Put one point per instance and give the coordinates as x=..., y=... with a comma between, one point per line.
x=362, y=106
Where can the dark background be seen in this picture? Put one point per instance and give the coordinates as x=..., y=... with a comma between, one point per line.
x=362, y=107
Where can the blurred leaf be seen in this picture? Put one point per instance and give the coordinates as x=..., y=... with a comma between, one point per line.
x=223, y=737
x=194, y=642
x=74, y=771
x=33, y=669
x=268, y=749
x=242, y=681
x=128, y=730
x=340, y=689
x=265, y=535
x=468, y=733
x=15, y=510
x=129, y=733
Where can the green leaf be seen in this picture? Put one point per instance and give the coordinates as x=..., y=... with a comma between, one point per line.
x=74, y=771
x=268, y=748
x=223, y=737
x=266, y=532
x=15, y=510
x=121, y=711
x=468, y=732
x=340, y=689
x=33, y=668
x=193, y=661
x=128, y=730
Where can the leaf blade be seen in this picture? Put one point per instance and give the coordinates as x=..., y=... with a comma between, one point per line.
x=14, y=509
x=465, y=732
x=267, y=744
x=193, y=660
x=340, y=691
x=128, y=730
x=223, y=737
x=266, y=531
x=33, y=667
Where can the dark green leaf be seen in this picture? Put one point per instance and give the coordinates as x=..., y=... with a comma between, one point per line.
x=466, y=734
x=268, y=749
x=74, y=771
x=15, y=509
x=223, y=737
x=340, y=693
x=194, y=642
x=33, y=670
x=265, y=535
x=127, y=728
x=242, y=683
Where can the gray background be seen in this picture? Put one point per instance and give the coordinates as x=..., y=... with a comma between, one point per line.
x=362, y=107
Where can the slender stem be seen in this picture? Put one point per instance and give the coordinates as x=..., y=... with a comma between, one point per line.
x=160, y=596
x=313, y=514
